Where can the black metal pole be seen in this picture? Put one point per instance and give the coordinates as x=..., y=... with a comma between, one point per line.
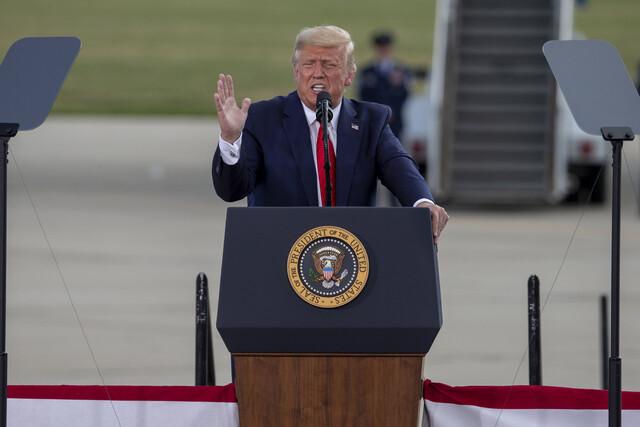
x=211, y=371
x=616, y=135
x=7, y=130
x=604, y=341
x=205, y=374
x=615, y=362
x=535, y=359
x=201, y=321
x=4, y=141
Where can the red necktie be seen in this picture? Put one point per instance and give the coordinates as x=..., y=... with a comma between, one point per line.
x=321, y=171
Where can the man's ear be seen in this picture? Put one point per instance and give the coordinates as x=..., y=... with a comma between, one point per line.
x=295, y=73
x=349, y=78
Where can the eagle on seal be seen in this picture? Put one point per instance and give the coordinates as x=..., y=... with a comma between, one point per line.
x=328, y=262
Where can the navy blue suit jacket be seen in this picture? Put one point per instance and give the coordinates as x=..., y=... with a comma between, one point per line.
x=276, y=166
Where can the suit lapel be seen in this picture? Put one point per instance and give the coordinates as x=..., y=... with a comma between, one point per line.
x=297, y=130
x=349, y=139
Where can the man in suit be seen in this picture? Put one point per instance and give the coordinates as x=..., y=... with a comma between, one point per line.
x=269, y=151
x=386, y=81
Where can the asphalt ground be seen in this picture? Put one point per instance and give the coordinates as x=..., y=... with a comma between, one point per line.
x=110, y=220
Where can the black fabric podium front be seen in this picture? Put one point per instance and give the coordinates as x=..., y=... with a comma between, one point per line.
x=264, y=323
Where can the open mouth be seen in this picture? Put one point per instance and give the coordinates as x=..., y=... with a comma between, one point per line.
x=317, y=88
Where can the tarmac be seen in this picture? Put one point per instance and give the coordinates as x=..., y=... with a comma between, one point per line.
x=110, y=220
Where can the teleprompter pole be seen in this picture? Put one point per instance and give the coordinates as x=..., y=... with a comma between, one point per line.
x=615, y=135
x=31, y=75
x=6, y=132
x=604, y=340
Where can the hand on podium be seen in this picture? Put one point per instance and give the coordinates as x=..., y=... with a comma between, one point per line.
x=439, y=219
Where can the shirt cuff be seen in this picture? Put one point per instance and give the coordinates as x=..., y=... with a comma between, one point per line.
x=230, y=153
x=423, y=200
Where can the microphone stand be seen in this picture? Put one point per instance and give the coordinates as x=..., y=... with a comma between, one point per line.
x=327, y=162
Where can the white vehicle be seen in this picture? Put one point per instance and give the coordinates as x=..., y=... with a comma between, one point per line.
x=496, y=127
x=417, y=119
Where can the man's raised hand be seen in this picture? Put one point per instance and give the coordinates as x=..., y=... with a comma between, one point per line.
x=231, y=118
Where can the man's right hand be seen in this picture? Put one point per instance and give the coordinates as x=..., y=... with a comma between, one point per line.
x=231, y=118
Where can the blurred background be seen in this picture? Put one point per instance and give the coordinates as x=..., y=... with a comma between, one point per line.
x=163, y=57
x=112, y=213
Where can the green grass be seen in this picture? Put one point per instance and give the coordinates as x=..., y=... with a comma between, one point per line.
x=164, y=56
x=616, y=21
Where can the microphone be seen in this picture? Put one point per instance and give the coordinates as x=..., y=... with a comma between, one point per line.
x=323, y=107
x=324, y=114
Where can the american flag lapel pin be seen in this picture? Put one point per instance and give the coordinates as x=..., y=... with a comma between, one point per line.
x=355, y=126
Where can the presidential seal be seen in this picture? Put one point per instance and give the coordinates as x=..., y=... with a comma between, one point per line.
x=328, y=266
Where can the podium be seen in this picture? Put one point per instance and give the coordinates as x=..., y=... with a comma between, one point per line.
x=334, y=350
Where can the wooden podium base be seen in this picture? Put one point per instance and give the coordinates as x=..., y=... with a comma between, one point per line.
x=328, y=390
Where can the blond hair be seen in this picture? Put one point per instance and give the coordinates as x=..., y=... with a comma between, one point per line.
x=325, y=36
